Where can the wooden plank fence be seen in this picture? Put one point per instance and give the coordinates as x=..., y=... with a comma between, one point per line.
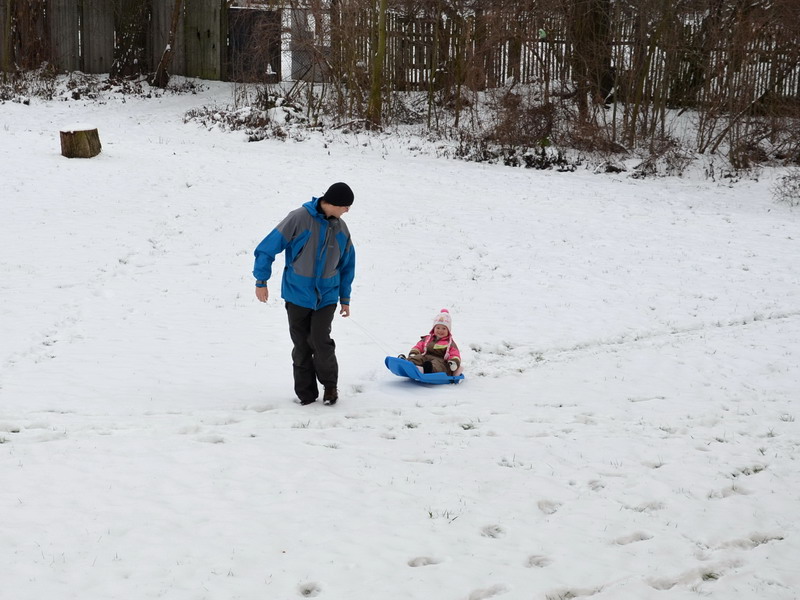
x=64, y=21
x=98, y=27
x=481, y=50
x=206, y=29
x=83, y=35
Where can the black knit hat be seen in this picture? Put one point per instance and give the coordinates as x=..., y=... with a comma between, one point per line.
x=339, y=194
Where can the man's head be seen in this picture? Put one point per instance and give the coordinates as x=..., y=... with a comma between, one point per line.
x=339, y=194
x=337, y=200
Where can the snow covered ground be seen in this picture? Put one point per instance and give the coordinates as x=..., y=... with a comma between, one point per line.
x=627, y=429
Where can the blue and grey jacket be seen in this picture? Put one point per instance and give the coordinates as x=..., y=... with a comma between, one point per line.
x=320, y=258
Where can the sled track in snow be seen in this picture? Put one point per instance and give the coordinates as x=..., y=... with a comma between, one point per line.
x=508, y=358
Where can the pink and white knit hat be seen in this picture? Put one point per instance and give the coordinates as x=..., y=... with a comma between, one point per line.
x=444, y=318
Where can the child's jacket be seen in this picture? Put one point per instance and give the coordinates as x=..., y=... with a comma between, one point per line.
x=445, y=347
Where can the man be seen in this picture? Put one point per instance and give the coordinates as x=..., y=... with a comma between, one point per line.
x=319, y=271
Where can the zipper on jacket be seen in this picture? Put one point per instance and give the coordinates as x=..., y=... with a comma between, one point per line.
x=321, y=254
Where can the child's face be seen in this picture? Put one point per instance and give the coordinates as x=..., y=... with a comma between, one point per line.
x=440, y=331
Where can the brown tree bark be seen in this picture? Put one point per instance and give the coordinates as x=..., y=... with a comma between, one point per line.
x=5, y=51
x=375, y=107
x=589, y=33
x=80, y=143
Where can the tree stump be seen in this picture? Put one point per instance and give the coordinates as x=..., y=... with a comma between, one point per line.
x=80, y=142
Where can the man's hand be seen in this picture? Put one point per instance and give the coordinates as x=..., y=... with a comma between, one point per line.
x=262, y=293
x=345, y=310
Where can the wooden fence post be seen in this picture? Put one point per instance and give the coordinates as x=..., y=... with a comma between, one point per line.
x=204, y=38
x=98, y=35
x=63, y=22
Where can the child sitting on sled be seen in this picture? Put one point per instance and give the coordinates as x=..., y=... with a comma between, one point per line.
x=437, y=352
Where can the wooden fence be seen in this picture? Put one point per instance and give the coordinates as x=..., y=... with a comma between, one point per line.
x=218, y=40
x=90, y=35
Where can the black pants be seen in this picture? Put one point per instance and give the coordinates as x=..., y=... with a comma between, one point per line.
x=314, y=352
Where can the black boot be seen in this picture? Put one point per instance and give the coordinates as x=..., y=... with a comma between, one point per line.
x=427, y=367
x=331, y=395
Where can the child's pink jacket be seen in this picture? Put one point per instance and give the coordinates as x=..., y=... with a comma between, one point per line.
x=447, y=345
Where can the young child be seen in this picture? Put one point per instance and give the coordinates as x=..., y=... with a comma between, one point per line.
x=437, y=352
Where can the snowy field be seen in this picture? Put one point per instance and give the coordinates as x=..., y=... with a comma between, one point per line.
x=628, y=427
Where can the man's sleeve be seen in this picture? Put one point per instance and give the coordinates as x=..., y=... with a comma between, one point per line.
x=347, y=272
x=274, y=244
x=265, y=254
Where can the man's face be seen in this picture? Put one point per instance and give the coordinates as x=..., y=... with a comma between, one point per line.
x=338, y=211
x=332, y=210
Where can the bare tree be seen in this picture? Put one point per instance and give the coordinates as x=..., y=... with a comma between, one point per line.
x=378, y=59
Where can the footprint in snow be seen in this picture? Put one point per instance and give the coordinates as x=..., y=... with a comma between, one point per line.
x=732, y=490
x=538, y=561
x=596, y=485
x=646, y=507
x=260, y=408
x=566, y=593
x=638, y=536
x=752, y=541
x=423, y=561
x=309, y=589
x=749, y=470
x=10, y=428
x=696, y=576
x=493, y=531
x=494, y=590
x=548, y=507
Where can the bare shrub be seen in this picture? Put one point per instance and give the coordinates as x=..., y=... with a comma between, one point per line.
x=482, y=148
x=787, y=188
x=23, y=85
x=475, y=148
x=81, y=85
x=665, y=157
x=274, y=118
x=42, y=82
x=407, y=108
x=591, y=137
x=523, y=126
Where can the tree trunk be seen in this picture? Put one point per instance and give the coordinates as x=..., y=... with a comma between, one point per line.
x=5, y=50
x=376, y=91
x=132, y=18
x=589, y=34
x=80, y=143
x=161, y=76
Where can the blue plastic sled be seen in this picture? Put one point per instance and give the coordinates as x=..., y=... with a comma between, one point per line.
x=404, y=368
